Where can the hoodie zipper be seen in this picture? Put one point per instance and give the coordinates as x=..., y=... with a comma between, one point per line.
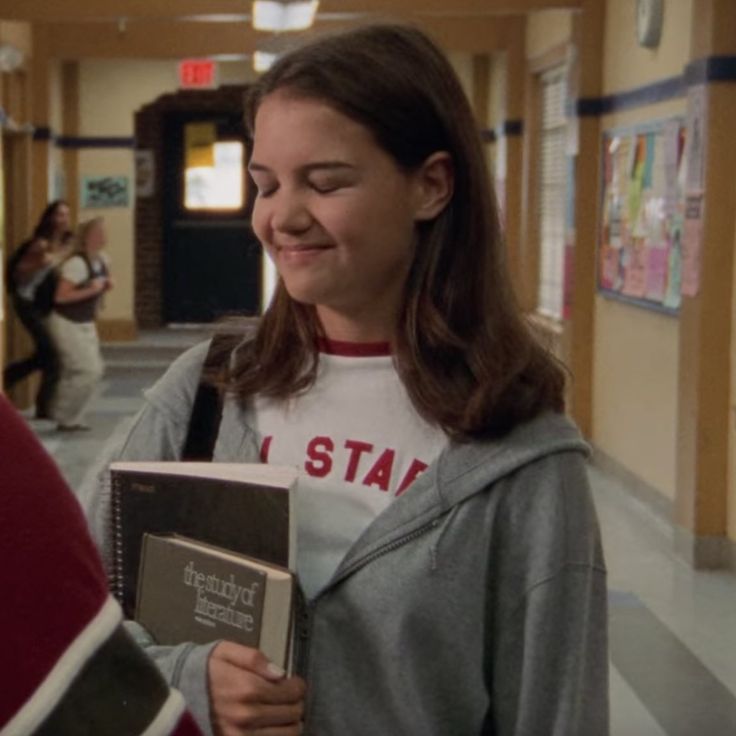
x=305, y=615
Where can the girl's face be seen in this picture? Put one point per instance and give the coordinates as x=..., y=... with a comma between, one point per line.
x=335, y=213
x=61, y=218
x=96, y=238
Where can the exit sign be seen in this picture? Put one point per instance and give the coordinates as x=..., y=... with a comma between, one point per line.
x=197, y=74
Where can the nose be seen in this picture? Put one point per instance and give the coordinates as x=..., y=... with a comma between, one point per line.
x=289, y=213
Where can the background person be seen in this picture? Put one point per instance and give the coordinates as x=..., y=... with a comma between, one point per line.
x=31, y=284
x=448, y=544
x=83, y=278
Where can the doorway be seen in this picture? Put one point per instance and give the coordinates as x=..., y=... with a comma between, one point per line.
x=211, y=258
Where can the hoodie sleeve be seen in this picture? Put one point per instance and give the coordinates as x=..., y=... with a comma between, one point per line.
x=549, y=662
x=157, y=432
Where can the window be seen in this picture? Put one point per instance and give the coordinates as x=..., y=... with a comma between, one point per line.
x=219, y=186
x=552, y=193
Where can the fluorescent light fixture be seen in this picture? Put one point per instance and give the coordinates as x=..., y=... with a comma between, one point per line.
x=293, y=15
x=263, y=60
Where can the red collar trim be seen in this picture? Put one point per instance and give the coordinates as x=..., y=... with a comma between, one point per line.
x=353, y=349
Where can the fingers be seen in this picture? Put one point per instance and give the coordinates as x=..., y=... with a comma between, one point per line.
x=249, y=659
x=256, y=716
x=237, y=684
x=248, y=696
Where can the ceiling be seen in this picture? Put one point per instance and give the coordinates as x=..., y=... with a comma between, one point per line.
x=75, y=29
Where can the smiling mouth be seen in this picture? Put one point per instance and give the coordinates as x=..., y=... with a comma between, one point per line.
x=302, y=248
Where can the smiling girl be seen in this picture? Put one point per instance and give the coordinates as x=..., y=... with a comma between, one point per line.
x=448, y=546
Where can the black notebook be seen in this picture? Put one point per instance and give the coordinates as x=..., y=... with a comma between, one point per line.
x=245, y=508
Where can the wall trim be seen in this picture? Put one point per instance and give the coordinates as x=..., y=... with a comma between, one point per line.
x=95, y=141
x=705, y=553
x=711, y=69
x=117, y=330
x=89, y=141
x=649, y=94
x=701, y=552
x=506, y=129
x=701, y=71
x=639, y=489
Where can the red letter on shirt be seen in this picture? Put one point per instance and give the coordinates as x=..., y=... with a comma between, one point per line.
x=380, y=474
x=266, y=448
x=320, y=459
x=356, y=450
x=416, y=467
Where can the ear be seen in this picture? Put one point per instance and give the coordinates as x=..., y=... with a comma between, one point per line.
x=434, y=186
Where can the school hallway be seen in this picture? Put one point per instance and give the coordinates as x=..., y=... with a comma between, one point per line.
x=672, y=628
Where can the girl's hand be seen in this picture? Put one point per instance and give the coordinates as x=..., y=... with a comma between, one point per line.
x=250, y=695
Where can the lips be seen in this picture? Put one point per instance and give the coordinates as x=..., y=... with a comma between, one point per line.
x=300, y=247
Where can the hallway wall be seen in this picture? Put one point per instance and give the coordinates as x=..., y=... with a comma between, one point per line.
x=110, y=91
x=635, y=379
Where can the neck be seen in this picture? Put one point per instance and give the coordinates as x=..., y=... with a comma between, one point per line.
x=367, y=327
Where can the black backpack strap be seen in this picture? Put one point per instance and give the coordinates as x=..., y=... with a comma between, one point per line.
x=204, y=421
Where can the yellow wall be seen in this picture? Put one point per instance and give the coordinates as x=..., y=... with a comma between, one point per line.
x=635, y=377
x=110, y=91
x=463, y=66
x=546, y=30
x=626, y=64
x=57, y=186
x=18, y=34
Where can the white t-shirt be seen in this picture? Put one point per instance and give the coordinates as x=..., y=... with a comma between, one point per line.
x=359, y=442
x=75, y=268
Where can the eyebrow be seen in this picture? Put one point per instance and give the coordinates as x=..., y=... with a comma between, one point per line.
x=308, y=168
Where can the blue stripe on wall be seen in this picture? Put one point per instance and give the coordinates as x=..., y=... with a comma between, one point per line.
x=506, y=129
x=95, y=142
x=649, y=94
x=65, y=141
x=42, y=134
x=712, y=69
x=702, y=71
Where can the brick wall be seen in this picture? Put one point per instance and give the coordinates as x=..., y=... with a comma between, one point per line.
x=149, y=226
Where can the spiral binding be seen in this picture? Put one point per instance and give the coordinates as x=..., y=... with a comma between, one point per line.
x=116, y=584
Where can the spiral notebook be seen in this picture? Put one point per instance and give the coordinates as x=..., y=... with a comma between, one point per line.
x=242, y=507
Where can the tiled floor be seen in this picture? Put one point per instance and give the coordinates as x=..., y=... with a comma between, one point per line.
x=673, y=630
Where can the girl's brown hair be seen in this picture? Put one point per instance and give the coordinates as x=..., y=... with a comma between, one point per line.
x=462, y=349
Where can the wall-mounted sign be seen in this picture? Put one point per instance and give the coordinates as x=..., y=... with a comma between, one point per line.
x=105, y=191
x=197, y=74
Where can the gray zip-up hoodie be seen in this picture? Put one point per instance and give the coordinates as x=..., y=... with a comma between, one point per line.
x=474, y=604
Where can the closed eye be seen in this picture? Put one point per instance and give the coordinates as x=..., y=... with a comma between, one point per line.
x=327, y=187
x=265, y=190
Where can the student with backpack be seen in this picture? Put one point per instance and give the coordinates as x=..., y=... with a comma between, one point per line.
x=83, y=278
x=447, y=542
x=30, y=279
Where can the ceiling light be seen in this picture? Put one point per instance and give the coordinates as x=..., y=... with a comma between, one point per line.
x=289, y=15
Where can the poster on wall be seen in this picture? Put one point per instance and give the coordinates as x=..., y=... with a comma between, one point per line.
x=643, y=210
x=105, y=191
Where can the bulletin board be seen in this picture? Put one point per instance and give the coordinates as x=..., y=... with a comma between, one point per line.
x=642, y=217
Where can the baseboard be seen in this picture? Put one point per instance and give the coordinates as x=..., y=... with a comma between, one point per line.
x=117, y=330
x=644, y=492
x=731, y=555
x=705, y=553
x=701, y=552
